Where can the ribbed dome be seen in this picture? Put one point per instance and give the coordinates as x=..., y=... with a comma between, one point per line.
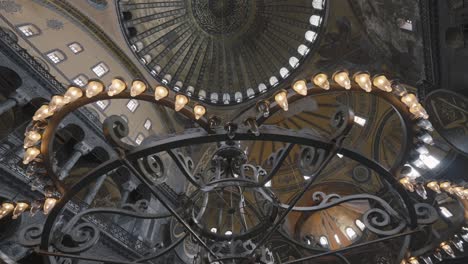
x=222, y=51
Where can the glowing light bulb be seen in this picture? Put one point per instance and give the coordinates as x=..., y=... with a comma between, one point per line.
x=445, y=185
x=300, y=87
x=72, y=94
x=56, y=103
x=94, y=88
x=342, y=78
x=160, y=92
x=116, y=87
x=30, y=155
x=180, y=102
x=419, y=111
x=138, y=87
x=281, y=99
x=19, y=209
x=409, y=100
x=321, y=80
x=433, y=186
x=413, y=260
x=31, y=138
x=199, y=111
x=42, y=113
x=465, y=195
x=382, y=83
x=448, y=249
x=6, y=209
x=406, y=182
x=363, y=80
x=459, y=191
x=49, y=205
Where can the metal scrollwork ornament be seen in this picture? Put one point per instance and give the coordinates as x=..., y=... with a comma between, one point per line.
x=79, y=239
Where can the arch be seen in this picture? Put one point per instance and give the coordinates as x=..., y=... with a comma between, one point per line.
x=9, y=81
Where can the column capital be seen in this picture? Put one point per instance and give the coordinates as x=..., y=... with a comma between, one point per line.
x=129, y=186
x=83, y=147
x=21, y=97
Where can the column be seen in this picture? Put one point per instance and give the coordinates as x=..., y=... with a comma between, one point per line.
x=80, y=150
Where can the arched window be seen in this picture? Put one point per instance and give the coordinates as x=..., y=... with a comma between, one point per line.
x=350, y=233
x=100, y=69
x=80, y=80
x=75, y=47
x=147, y=124
x=360, y=224
x=139, y=138
x=132, y=105
x=29, y=30
x=323, y=240
x=103, y=104
x=56, y=56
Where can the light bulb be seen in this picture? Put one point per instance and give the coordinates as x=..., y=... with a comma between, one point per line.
x=160, y=92
x=445, y=185
x=300, y=87
x=56, y=103
x=6, y=209
x=458, y=190
x=138, y=87
x=42, y=113
x=382, y=83
x=116, y=87
x=19, y=209
x=413, y=260
x=180, y=102
x=406, y=182
x=342, y=78
x=419, y=111
x=72, y=94
x=199, y=111
x=448, y=249
x=433, y=186
x=94, y=88
x=409, y=100
x=49, y=205
x=465, y=195
x=30, y=155
x=321, y=80
x=281, y=99
x=31, y=138
x=363, y=80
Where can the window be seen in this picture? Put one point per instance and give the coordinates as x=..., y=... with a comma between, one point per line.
x=445, y=212
x=80, y=80
x=351, y=233
x=337, y=239
x=132, y=105
x=360, y=224
x=103, y=104
x=100, y=69
x=430, y=161
x=359, y=120
x=75, y=47
x=29, y=30
x=147, y=124
x=56, y=56
x=405, y=24
x=323, y=240
x=214, y=230
x=139, y=139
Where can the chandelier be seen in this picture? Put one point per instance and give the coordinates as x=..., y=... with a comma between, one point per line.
x=229, y=211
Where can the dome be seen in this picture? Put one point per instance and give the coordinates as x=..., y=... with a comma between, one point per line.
x=222, y=47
